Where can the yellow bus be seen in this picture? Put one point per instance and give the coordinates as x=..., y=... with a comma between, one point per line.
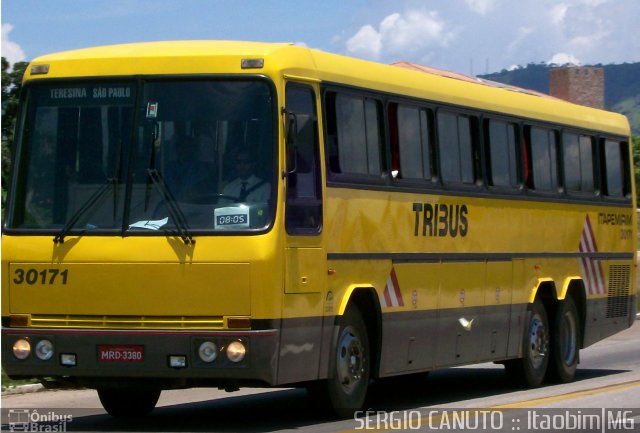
x=207, y=213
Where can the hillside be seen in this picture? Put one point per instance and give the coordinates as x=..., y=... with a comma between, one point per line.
x=622, y=86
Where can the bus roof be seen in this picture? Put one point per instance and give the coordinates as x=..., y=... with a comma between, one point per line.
x=280, y=59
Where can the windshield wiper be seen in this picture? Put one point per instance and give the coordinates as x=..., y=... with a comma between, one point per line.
x=174, y=209
x=86, y=206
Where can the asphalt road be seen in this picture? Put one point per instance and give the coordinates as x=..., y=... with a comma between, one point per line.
x=477, y=398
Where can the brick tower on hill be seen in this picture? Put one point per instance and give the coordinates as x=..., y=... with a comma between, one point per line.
x=580, y=85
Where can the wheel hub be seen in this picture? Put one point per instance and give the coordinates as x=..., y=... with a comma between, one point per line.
x=538, y=341
x=350, y=360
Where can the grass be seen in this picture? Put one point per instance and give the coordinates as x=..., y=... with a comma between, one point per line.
x=8, y=383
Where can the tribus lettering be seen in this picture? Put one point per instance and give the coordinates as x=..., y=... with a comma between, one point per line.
x=441, y=220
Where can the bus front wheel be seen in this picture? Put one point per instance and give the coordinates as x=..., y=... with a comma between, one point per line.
x=350, y=367
x=128, y=402
x=530, y=370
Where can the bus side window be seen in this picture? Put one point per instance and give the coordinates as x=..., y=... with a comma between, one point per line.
x=413, y=141
x=457, y=145
x=578, y=162
x=500, y=138
x=303, y=213
x=616, y=176
x=543, y=158
x=354, y=137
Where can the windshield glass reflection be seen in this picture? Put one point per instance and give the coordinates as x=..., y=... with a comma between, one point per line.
x=210, y=144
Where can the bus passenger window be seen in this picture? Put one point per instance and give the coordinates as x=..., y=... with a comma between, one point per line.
x=354, y=134
x=578, y=162
x=617, y=175
x=413, y=141
x=455, y=143
x=501, y=153
x=544, y=161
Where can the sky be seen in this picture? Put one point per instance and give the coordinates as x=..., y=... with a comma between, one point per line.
x=467, y=36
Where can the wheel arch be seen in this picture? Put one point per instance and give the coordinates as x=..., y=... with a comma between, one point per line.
x=546, y=291
x=545, y=288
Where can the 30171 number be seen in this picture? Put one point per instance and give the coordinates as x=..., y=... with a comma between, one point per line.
x=44, y=276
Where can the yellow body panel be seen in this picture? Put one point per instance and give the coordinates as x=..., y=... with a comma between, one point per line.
x=108, y=276
x=542, y=233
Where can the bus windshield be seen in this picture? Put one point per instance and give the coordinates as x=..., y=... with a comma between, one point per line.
x=146, y=156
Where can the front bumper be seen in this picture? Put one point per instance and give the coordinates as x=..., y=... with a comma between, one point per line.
x=258, y=366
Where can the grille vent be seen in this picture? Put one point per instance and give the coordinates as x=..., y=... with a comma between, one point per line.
x=126, y=322
x=618, y=291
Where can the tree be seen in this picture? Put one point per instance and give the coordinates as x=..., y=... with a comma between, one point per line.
x=11, y=85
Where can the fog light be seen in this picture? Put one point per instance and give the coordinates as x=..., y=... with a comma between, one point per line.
x=177, y=361
x=236, y=351
x=44, y=350
x=22, y=349
x=208, y=351
x=68, y=359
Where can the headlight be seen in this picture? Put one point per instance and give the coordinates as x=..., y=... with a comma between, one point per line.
x=22, y=349
x=44, y=350
x=236, y=351
x=208, y=351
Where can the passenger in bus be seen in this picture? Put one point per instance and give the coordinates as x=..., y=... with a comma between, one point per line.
x=246, y=187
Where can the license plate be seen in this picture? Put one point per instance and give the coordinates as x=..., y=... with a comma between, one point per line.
x=121, y=353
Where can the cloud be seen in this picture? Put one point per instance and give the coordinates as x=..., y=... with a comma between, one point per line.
x=558, y=13
x=521, y=36
x=496, y=33
x=593, y=3
x=412, y=34
x=481, y=7
x=367, y=42
x=11, y=50
x=563, y=59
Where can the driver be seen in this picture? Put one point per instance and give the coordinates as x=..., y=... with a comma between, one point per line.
x=246, y=187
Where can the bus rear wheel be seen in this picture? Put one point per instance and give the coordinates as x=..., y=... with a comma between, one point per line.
x=529, y=371
x=350, y=367
x=128, y=402
x=565, y=340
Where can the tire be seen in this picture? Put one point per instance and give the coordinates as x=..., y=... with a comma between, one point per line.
x=128, y=402
x=565, y=343
x=350, y=366
x=529, y=371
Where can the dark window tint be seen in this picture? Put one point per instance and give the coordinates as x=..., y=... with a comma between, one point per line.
x=354, y=137
x=578, y=162
x=456, y=148
x=413, y=142
x=503, y=161
x=304, y=191
x=544, y=161
x=74, y=147
x=616, y=168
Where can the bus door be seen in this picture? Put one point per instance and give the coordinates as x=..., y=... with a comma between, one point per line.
x=305, y=259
